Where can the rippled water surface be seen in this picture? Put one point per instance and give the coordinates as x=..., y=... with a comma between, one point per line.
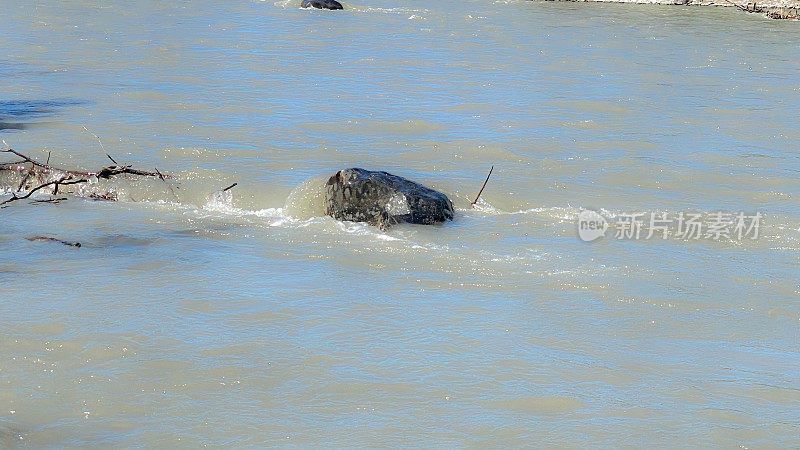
x=194, y=317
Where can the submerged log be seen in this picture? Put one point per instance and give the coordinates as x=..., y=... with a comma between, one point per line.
x=383, y=199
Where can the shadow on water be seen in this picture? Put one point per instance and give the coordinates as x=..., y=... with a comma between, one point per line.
x=12, y=126
x=19, y=114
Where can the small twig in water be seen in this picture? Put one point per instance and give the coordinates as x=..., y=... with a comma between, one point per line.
x=52, y=200
x=109, y=196
x=483, y=187
x=102, y=147
x=160, y=175
x=743, y=8
x=230, y=187
x=25, y=178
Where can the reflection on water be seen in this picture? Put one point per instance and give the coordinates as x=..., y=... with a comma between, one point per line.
x=192, y=318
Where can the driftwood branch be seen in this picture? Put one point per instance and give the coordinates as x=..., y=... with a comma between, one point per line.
x=34, y=169
x=105, y=172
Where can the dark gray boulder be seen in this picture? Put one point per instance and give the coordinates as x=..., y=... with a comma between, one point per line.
x=321, y=4
x=383, y=199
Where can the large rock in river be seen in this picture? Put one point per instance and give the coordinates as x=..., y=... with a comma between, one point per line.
x=321, y=4
x=383, y=199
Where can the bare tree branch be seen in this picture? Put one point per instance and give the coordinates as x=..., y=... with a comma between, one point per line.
x=62, y=180
x=35, y=170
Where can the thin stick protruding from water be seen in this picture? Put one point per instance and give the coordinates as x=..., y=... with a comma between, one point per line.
x=102, y=147
x=483, y=187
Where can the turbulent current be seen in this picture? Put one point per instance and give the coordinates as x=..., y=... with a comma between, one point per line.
x=629, y=276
